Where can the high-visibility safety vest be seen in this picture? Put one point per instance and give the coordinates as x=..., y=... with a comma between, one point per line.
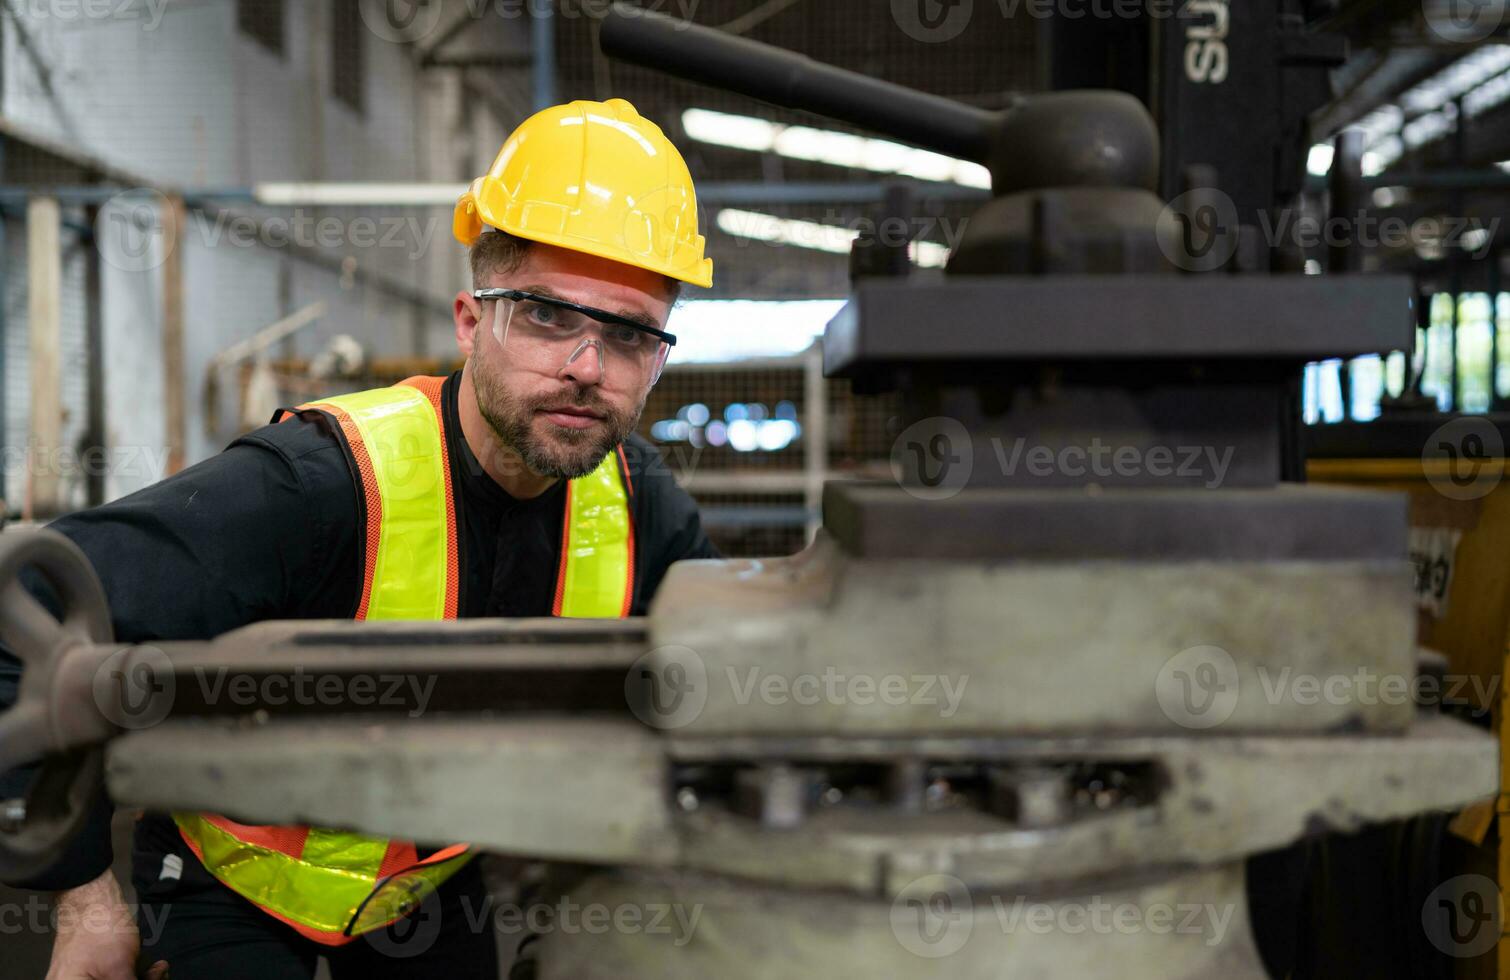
x=333, y=885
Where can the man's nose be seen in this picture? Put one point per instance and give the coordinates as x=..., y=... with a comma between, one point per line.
x=585, y=366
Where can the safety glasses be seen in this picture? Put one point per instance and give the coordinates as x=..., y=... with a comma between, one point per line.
x=551, y=332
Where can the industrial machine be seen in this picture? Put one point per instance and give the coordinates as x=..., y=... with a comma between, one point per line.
x=1022, y=712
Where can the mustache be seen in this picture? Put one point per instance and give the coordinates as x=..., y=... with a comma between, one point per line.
x=574, y=397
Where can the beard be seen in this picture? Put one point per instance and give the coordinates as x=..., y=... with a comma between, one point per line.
x=561, y=452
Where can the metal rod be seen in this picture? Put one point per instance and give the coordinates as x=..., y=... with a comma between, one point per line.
x=94, y=334
x=444, y=194
x=543, y=43
x=761, y=71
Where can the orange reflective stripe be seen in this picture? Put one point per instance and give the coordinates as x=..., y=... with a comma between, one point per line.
x=565, y=554
x=401, y=854
x=285, y=840
x=370, y=495
x=629, y=502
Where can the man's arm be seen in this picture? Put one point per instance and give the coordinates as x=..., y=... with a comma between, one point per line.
x=256, y=532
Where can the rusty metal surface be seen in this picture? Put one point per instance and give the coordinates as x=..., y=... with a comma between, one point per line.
x=1191, y=925
x=1030, y=648
x=581, y=790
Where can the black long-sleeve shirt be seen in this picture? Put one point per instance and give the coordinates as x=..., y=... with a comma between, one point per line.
x=271, y=529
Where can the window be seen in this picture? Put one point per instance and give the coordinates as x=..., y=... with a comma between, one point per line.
x=262, y=21
x=346, y=52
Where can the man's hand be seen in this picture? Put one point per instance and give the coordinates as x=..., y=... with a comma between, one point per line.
x=97, y=938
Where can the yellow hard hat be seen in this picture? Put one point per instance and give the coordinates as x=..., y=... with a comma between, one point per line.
x=595, y=177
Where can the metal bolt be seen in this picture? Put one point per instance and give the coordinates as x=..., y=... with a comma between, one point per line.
x=1031, y=796
x=776, y=795
x=906, y=784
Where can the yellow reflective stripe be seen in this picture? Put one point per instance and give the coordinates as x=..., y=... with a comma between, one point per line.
x=341, y=850
x=404, y=446
x=321, y=898
x=400, y=892
x=598, y=542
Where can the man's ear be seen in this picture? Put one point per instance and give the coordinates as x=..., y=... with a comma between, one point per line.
x=466, y=311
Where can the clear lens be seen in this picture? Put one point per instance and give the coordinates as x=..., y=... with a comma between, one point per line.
x=551, y=336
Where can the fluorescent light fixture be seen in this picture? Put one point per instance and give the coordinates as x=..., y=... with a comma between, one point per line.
x=1319, y=160
x=762, y=227
x=1473, y=239
x=356, y=194
x=1481, y=79
x=829, y=146
x=722, y=330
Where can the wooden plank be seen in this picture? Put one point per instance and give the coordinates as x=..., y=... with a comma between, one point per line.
x=44, y=295
x=174, y=381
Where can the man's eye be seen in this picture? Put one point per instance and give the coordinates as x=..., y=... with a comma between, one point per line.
x=545, y=316
x=624, y=336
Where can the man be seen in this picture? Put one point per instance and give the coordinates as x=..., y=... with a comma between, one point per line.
x=512, y=488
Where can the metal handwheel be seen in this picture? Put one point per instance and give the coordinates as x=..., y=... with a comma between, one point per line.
x=34, y=828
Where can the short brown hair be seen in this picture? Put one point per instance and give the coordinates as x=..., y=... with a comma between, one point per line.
x=498, y=251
